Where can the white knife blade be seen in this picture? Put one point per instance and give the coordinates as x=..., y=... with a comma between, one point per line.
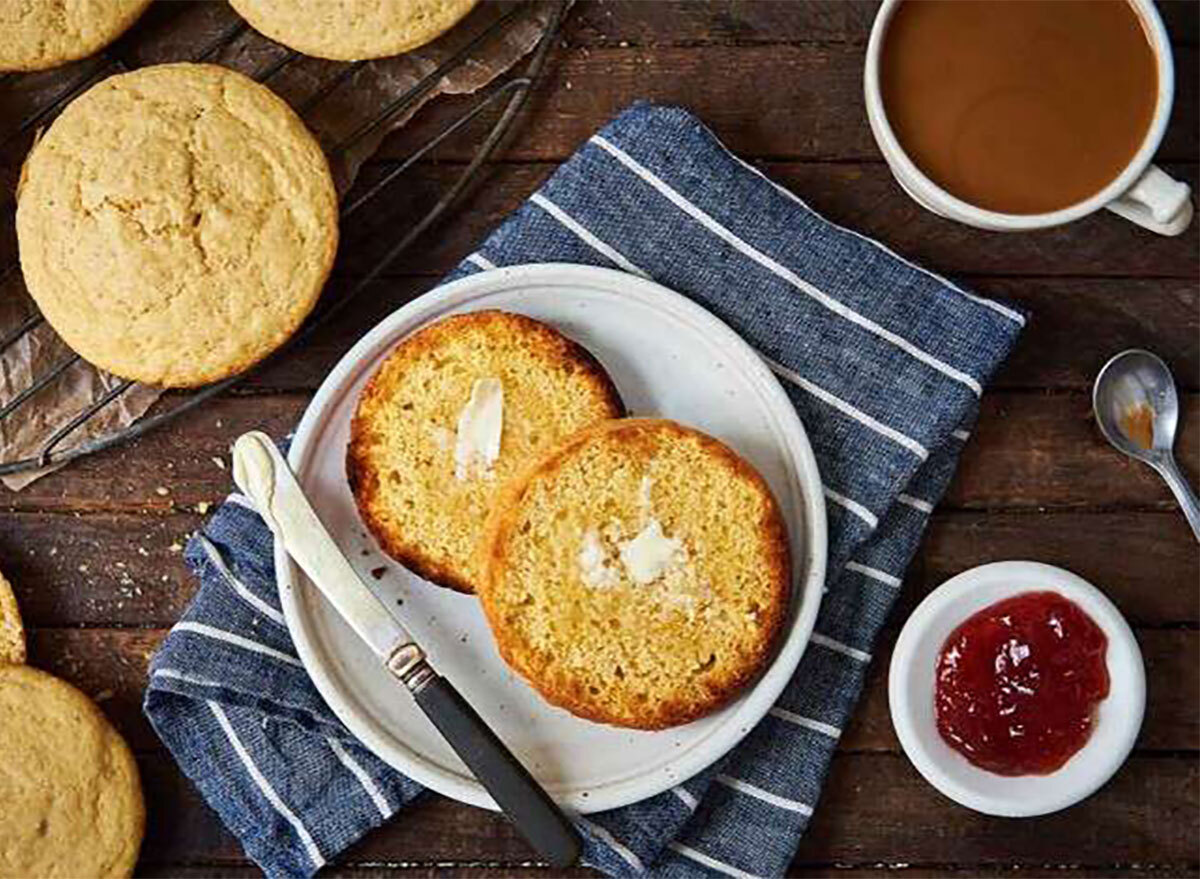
x=261, y=472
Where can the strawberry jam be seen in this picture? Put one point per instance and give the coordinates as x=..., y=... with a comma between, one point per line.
x=1018, y=684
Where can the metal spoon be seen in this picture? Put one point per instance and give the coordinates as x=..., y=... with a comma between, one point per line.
x=1138, y=410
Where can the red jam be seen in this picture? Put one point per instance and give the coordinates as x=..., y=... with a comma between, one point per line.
x=1018, y=684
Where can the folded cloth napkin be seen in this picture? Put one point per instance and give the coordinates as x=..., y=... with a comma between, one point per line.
x=885, y=363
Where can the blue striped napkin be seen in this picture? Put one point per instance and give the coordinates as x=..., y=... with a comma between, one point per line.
x=885, y=363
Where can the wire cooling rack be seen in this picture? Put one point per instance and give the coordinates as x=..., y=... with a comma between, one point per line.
x=509, y=93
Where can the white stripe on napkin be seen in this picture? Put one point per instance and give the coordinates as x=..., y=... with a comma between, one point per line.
x=365, y=780
x=243, y=591
x=186, y=678
x=838, y=308
x=584, y=235
x=615, y=844
x=481, y=261
x=236, y=640
x=915, y=502
x=873, y=573
x=686, y=798
x=807, y=722
x=310, y=846
x=766, y=796
x=709, y=861
x=838, y=647
x=853, y=506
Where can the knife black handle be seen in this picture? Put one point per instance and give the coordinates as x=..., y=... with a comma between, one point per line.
x=519, y=796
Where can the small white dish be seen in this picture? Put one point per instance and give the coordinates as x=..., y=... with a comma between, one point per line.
x=667, y=356
x=911, y=693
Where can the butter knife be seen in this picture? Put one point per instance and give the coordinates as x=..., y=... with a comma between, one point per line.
x=261, y=472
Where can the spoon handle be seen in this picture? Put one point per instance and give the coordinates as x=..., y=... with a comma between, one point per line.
x=1183, y=493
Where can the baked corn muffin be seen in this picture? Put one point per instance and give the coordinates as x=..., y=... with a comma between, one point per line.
x=455, y=411
x=12, y=633
x=638, y=575
x=72, y=799
x=39, y=34
x=176, y=224
x=352, y=30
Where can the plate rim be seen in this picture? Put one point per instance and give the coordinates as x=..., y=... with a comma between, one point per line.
x=754, y=704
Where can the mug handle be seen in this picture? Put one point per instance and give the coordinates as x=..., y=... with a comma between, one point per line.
x=1157, y=202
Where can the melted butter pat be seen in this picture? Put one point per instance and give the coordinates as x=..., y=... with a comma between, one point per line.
x=649, y=555
x=477, y=443
x=605, y=558
x=593, y=562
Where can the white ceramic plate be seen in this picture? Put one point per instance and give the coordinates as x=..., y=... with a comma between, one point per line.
x=911, y=693
x=668, y=357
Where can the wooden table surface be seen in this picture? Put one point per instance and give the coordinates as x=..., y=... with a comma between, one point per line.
x=94, y=550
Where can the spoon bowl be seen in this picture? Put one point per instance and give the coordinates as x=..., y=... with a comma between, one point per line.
x=1137, y=409
x=1128, y=382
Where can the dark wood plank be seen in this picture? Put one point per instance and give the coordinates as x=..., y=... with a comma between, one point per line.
x=1147, y=563
x=99, y=569
x=111, y=666
x=881, y=811
x=1030, y=451
x=782, y=101
x=41, y=554
x=737, y=22
x=408, y=869
x=720, y=22
x=876, y=809
x=1034, y=451
x=182, y=465
x=1161, y=314
x=861, y=196
x=774, y=79
x=526, y=870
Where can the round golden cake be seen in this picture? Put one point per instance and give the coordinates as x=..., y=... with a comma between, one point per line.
x=38, y=34
x=638, y=575
x=12, y=633
x=72, y=799
x=352, y=30
x=423, y=486
x=176, y=224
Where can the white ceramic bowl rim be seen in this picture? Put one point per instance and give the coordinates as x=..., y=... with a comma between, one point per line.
x=924, y=633
x=927, y=190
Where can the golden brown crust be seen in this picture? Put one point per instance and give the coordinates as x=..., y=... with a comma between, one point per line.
x=580, y=372
x=12, y=632
x=73, y=801
x=668, y=712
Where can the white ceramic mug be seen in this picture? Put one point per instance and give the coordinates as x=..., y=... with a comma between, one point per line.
x=1142, y=193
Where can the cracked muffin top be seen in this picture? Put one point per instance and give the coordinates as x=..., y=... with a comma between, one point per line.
x=46, y=33
x=176, y=224
x=353, y=30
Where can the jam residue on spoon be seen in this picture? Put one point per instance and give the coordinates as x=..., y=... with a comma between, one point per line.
x=1018, y=684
